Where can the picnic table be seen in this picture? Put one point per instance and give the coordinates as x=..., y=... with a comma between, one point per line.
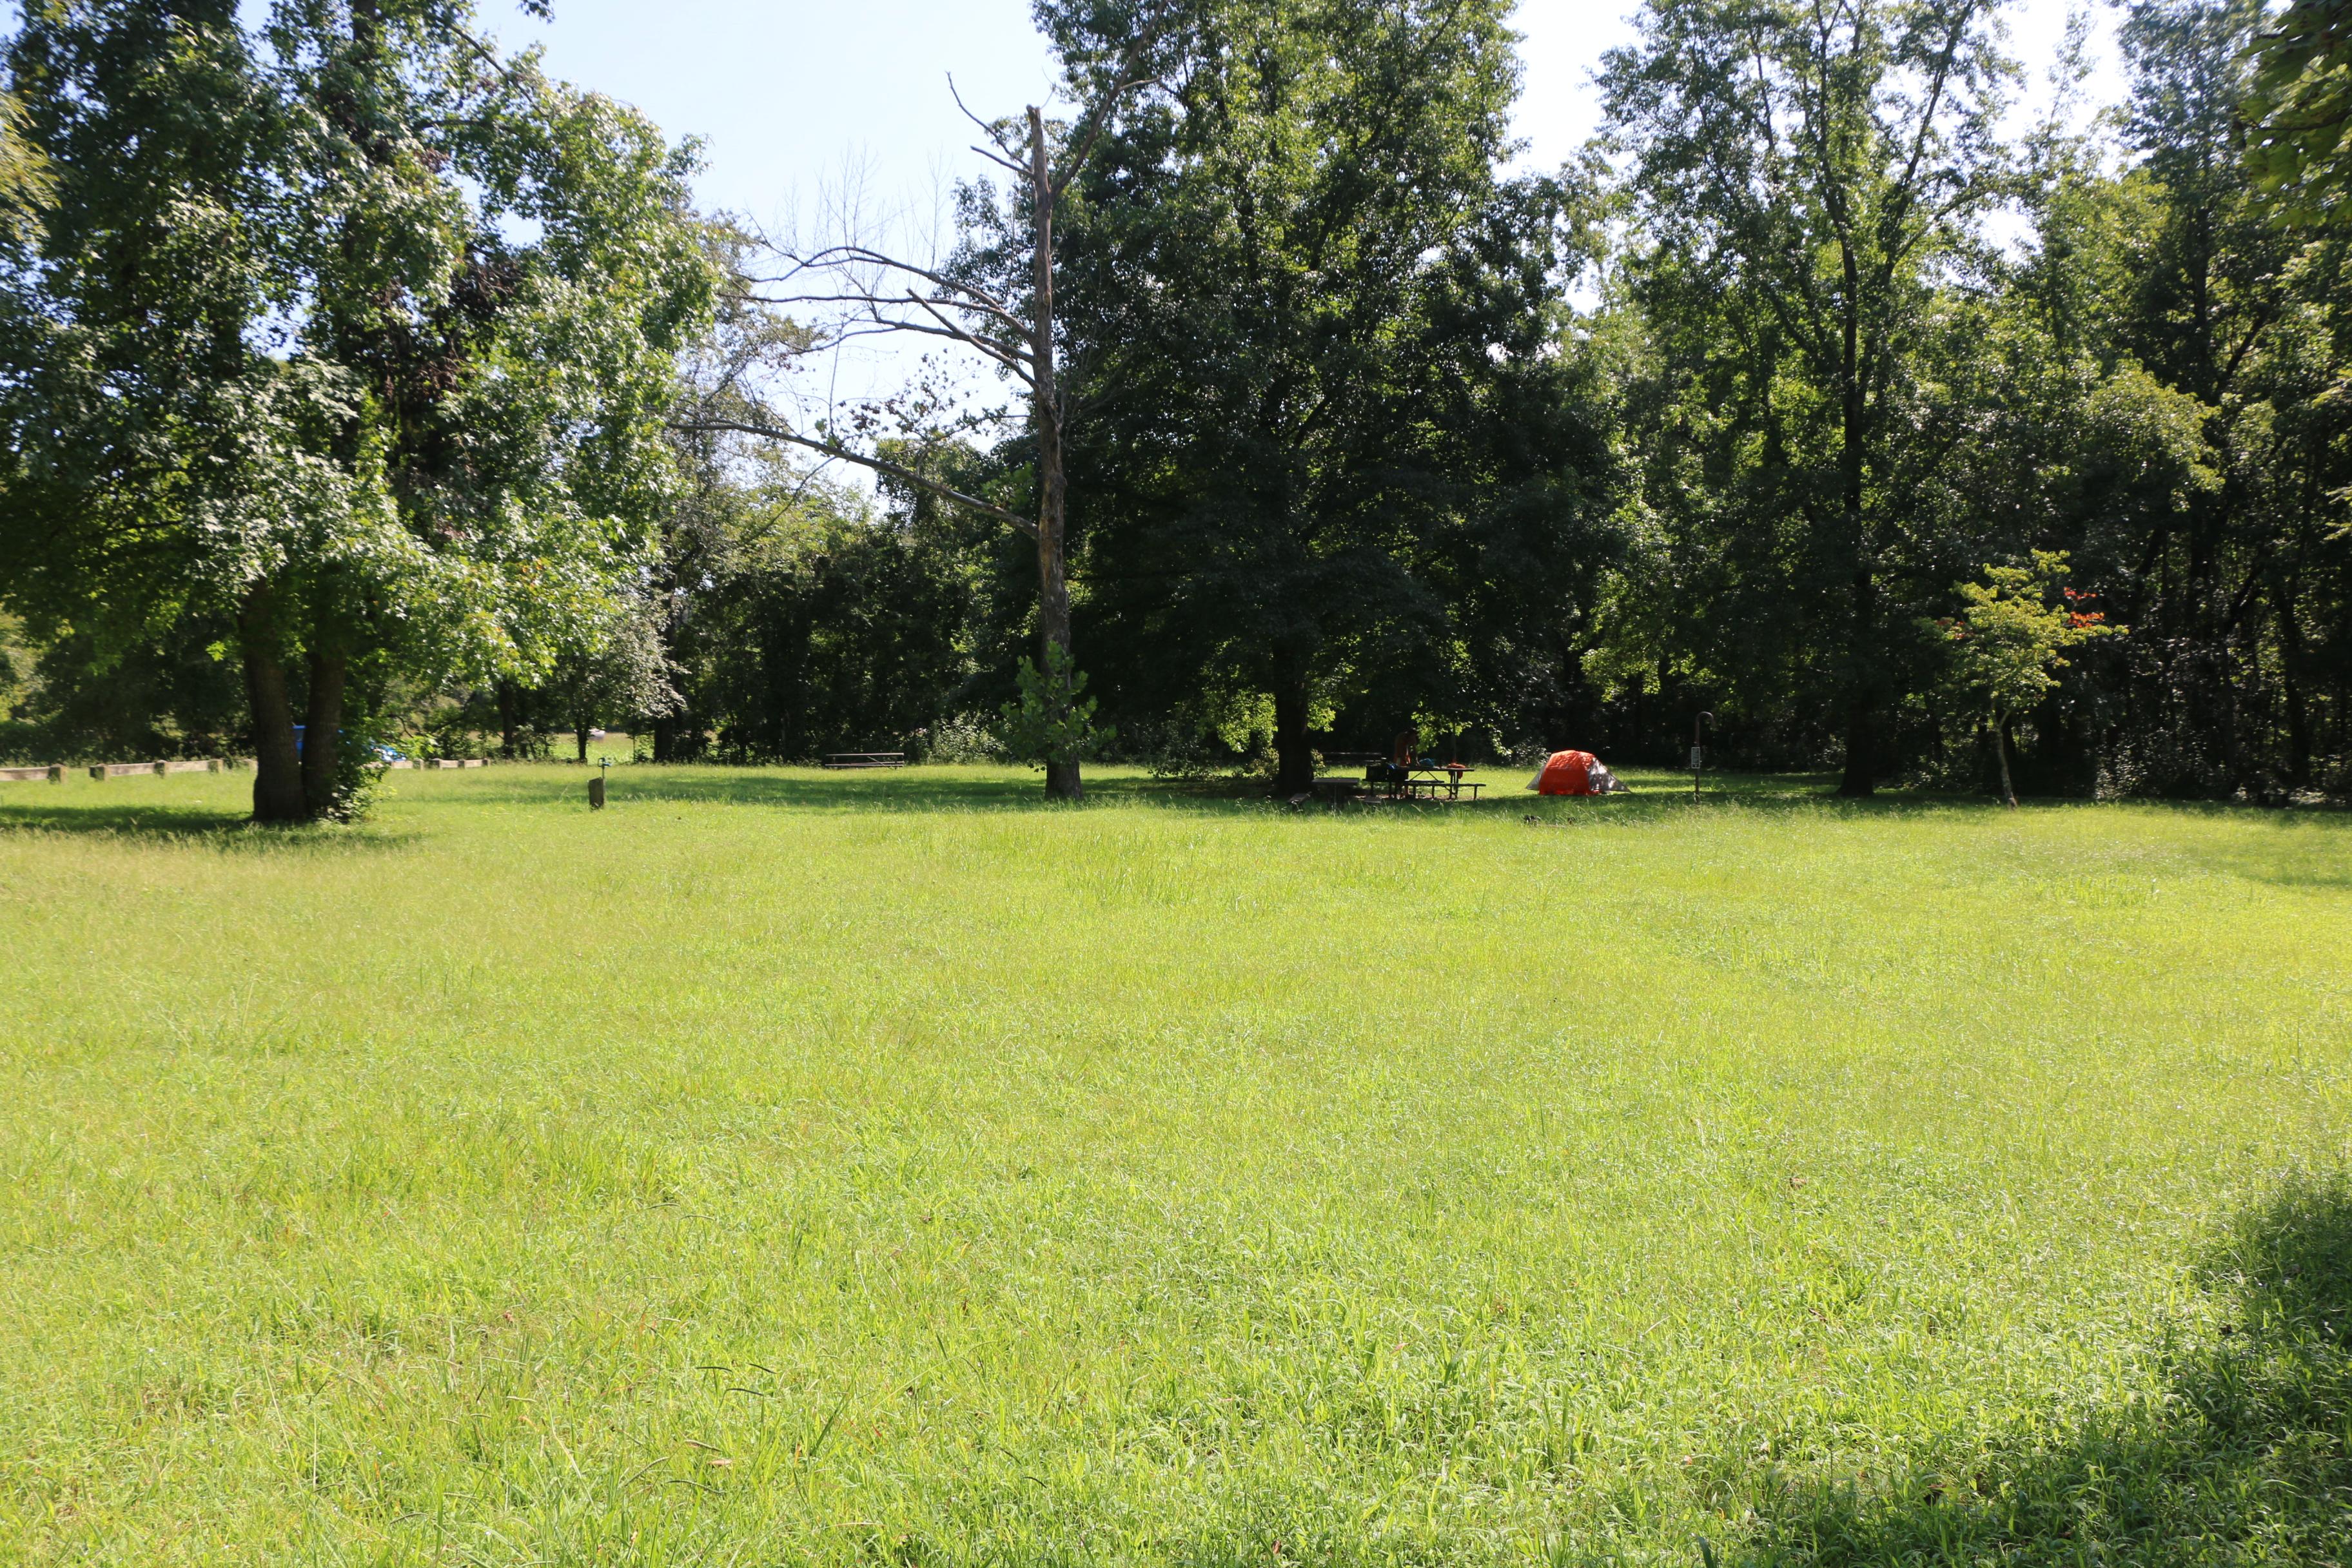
x=1436, y=784
x=1442, y=783
x=865, y=759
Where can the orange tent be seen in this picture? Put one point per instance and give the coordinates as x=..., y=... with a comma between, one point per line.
x=1566, y=772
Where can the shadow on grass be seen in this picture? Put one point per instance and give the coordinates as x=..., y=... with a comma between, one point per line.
x=187, y=824
x=958, y=789
x=2299, y=851
x=896, y=789
x=2246, y=1458
x=1656, y=796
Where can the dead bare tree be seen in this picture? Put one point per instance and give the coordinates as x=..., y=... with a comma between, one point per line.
x=878, y=292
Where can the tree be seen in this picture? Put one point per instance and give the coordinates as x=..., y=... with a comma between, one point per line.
x=1051, y=721
x=2237, y=326
x=801, y=616
x=1009, y=320
x=819, y=620
x=616, y=667
x=1318, y=333
x=1803, y=176
x=2011, y=640
x=2300, y=109
x=27, y=183
x=282, y=361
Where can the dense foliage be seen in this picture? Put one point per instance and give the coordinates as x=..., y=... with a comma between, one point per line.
x=1365, y=429
x=1335, y=456
x=340, y=343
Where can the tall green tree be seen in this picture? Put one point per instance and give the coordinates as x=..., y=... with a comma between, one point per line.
x=1804, y=176
x=2235, y=586
x=341, y=335
x=26, y=185
x=2299, y=107
x=1316, y=334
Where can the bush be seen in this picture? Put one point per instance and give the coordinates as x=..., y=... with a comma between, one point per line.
x=964, y=738
x=1178, y=748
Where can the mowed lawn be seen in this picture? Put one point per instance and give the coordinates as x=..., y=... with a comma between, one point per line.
x=784, y=1167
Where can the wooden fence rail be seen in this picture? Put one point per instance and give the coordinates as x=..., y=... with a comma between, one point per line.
x=54, y=773
x=102, y=770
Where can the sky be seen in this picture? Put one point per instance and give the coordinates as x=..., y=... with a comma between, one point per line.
x=802, y=106
x=789, y=96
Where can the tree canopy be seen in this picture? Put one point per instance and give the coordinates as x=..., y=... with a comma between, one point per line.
x=336, y=346
x=339, y=334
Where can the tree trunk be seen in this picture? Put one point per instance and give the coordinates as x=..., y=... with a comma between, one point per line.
x=1061, y=778
x=277, y=767
x=2001, y=750
x=1860, y=780
x=323, y=740
x=509, y=720
x=790, y=682
x=1861, y=673
x=580, y=734
x=2298, y=712
x=1293, y=772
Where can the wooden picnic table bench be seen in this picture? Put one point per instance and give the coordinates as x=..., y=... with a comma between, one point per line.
x=1440, y=787
x=865, y=759
x=1441, y=784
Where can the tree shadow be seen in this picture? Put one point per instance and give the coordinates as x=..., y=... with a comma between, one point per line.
x=2298, y=851
x=186, y=825
x=2246, y=1458
x=1658, y=795
x=958, y=789
x=879, y=790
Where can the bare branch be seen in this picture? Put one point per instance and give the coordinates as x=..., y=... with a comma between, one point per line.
x=872, y=301
x=840, y=258
x=1001, y=162
x=1090, y=129
x=1004, y=354
x=879, y=465
x=985, y=127
x=885, y=326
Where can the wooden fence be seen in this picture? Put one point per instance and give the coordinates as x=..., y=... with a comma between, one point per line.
x=56, y=772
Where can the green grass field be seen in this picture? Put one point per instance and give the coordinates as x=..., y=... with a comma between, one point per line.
x=782, y=1167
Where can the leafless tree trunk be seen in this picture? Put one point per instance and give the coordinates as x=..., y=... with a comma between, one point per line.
x=1062, y=780
x=890, y=294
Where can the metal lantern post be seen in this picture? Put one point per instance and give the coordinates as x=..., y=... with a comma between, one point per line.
x=596, y=784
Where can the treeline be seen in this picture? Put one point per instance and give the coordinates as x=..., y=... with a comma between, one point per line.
x=343, y=355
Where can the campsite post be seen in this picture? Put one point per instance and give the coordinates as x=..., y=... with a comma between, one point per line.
x=1699, y=753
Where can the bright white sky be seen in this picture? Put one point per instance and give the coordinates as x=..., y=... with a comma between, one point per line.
x=796, y=101
x=789, y=93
